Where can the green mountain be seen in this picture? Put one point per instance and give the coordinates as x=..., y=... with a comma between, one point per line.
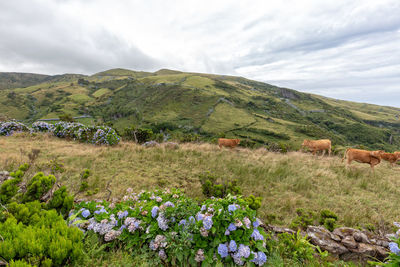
x=210, y=105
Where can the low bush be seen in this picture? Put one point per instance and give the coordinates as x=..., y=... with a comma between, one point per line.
x=9, y=188
x=304, y=218
x=211, y=188
x=61, y=201
x=328, y=219
x=38, y=186
x=177, y=229
x=10, y=127
x=41, y=126
x=31, y=235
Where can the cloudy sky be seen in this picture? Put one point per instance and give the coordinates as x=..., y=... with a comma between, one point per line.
x=342, y=49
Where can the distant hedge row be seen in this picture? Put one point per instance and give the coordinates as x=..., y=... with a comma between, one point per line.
x=98, y=135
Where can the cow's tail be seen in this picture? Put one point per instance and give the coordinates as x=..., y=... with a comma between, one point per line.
x=345, y=154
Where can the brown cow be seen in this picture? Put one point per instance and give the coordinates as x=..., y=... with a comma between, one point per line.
x=391, y=157
x=318, y=145
x=232, y=143
x=373, y=158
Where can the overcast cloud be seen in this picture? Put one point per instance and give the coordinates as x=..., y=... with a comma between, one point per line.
x=342, y=49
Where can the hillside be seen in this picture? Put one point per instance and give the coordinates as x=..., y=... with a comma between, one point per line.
x=205, y=104
x=286, y=182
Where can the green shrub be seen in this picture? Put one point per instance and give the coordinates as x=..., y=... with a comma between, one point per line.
x=295, y=247
x=140, y=135
x=85, y=174
x=254, y=202
x=304, y=218
x=328, y=219
x=9, y=188
x=212, y=189
x=38, y=186
x=40, y=238
x=84, y=186
x=61, y=201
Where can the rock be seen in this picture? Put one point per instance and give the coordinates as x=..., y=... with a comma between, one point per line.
x=344, y=231
x=365, y=249
x=361, y=237
x=279, y=230
x=321, y=237
x=151, y=144
x=349, y=242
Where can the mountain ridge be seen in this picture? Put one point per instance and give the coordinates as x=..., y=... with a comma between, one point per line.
x=199, y=103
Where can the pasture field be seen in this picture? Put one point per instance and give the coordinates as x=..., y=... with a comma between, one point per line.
x=286, y=182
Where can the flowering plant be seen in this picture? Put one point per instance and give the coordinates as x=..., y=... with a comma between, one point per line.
x=41, y=126
x=9, y=127
x=177, y=229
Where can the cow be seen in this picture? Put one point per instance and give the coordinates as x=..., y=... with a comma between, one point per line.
x=391, y=157
x=232, y=143
x=373, y=158
x=318, y=145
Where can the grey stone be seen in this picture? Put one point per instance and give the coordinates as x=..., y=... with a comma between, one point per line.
x=321, y=237
x=349, y=242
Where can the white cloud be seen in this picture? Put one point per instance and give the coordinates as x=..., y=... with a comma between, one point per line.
x=334, y=48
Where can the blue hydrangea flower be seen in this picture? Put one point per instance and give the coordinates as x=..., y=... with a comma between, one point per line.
x=244, y=251
x=223, y=250
x=227, y=232
x=256, y=223
x=191, y=219
x=154, y=211
x=169, y=204
x=122, y=214
x=394, y=248
x=232, y=227
x=203, y=208
x=256, y=235
x=199, y=216
x=262, y=258
x=182, y=222
x=232, y=246
x=102, y=210
x=232, y=208
x=207, y=222
x=85, y=213
x=122, y=227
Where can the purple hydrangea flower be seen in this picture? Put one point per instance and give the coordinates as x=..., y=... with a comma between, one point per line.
x=154, y=211
x=192, y=219
x=232, y=246
x=102, y=210
x=262, y=258
x=199, y=216
x=232, y=227
x=223, y=250
x=227, y=232
x=394, y=248
x=256, y=235
x=203, y=208
x=85, y=213
x=169, y=204
x=122, y=214
x=256, y=223
x=207, y=222
x=182, y=222
x=244, y=251
x=232, y=207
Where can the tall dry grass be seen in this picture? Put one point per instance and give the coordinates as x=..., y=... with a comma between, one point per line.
x=285, y=181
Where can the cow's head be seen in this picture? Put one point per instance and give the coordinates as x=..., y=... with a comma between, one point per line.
x=237, y=141
x=306, y=142
x=397, y=154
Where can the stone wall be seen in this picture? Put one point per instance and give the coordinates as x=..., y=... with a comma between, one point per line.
x=346, y=243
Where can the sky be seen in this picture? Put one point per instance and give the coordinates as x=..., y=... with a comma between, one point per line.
x=345, y=49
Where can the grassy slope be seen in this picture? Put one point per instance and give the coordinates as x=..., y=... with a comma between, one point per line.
x=209, y=104
x=285, y=181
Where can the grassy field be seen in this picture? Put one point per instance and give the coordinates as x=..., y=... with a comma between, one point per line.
x=285, y=181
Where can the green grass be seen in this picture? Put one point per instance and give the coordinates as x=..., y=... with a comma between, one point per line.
x=101, y=92
x=285, y=181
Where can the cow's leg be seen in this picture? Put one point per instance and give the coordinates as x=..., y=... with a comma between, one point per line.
x=329, y=151
x=323, y=153
x=314, y=151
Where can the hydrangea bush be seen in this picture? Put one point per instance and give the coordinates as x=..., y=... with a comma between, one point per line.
x=10, y=127
x=41, y=126
x=177, y=229
x=98, y=135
